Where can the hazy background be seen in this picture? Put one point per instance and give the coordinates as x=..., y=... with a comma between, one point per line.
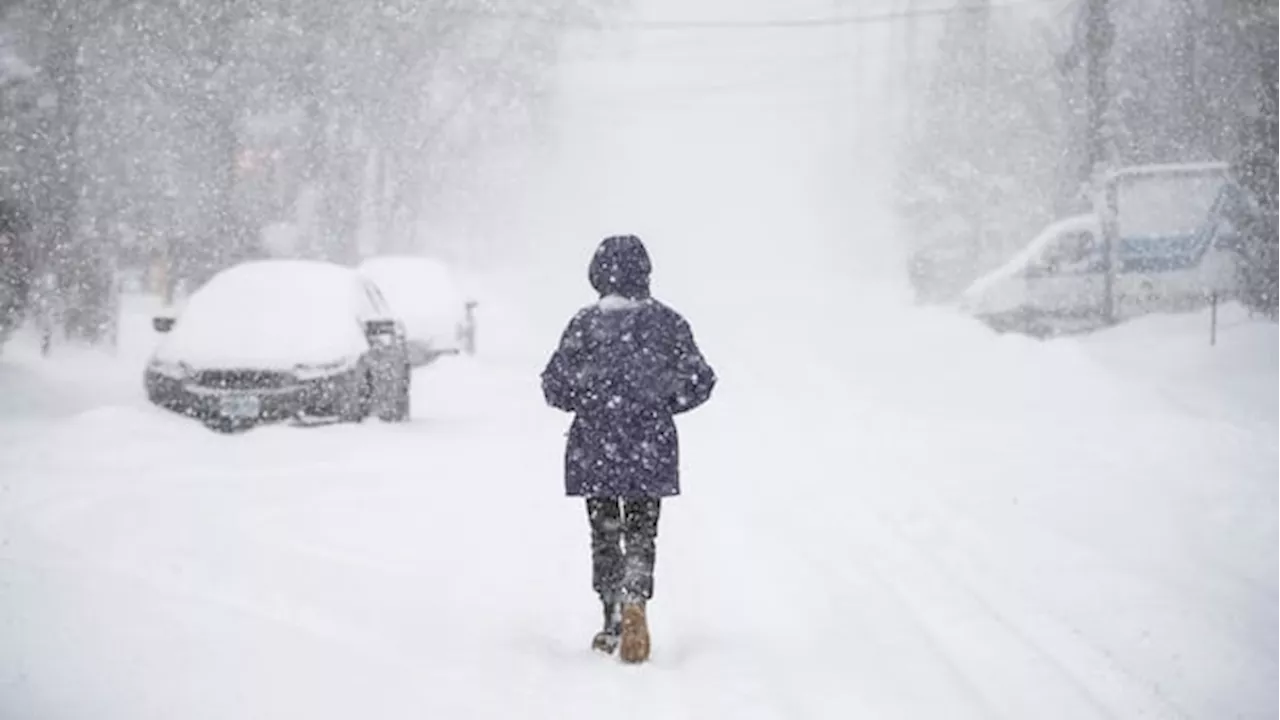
x=892, y=511
x=905, y=145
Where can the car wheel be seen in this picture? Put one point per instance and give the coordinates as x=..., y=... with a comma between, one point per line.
x=397, y=408
x=356, y=406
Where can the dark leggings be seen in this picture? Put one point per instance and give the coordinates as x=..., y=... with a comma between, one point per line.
x=622, y=547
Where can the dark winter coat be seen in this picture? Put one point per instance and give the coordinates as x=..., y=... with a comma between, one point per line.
x=624, y=367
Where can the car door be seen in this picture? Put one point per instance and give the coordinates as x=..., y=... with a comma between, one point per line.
x=1065, y=284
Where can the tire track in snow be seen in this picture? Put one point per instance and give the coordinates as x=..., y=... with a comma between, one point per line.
x=959, y=536
x=890, y=600
x=932, y=597
x=715, y=624
x=1032, y=628
x=882, y=673
x=1214, y=580
x=914, y=574
x=1227, y=586
x=1205, y=584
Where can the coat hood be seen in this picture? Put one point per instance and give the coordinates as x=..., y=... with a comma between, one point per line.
x=621, y=266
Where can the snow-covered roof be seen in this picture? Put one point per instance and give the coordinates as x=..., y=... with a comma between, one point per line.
x=269, y=314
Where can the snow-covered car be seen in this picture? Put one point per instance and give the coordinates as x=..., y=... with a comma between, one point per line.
x=439, y=317
x=1045, y=283
x=1057, y=283
x=1174, y=247
x=272, y=340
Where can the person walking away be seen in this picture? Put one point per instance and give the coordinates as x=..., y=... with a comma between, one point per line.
x=625, y=366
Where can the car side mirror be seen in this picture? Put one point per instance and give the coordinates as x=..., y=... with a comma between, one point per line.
x=163, y=323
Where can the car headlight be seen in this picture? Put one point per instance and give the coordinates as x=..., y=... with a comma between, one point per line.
x=171, y=369
x=314, y=371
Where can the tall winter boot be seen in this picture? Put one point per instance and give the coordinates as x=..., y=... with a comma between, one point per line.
x=635, y=633
x=606, y=640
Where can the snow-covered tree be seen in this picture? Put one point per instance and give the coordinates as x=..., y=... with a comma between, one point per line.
x=1254, y=160
x=979, y=168
x=168, y=133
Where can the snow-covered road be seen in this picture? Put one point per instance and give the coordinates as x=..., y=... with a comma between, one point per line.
x=968, y=549
x=889, y=512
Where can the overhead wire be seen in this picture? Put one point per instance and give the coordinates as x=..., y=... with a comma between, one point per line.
x=821, y=22
x=794, y=23
x=730, y=25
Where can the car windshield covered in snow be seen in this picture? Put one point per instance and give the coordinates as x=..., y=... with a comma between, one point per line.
x=274, y=313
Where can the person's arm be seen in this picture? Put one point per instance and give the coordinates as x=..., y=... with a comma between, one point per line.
x=562, y=379
x=694, y=379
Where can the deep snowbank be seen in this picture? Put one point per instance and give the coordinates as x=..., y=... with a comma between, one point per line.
x=1234, y=379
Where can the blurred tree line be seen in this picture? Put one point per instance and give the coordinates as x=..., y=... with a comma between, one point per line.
x=1002, y=138
x=166, y=134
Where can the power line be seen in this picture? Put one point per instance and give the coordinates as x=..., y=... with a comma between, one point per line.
x=798, y=23
x=664, y=25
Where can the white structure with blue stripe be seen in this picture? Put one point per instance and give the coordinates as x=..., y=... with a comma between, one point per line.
x=1168, y=231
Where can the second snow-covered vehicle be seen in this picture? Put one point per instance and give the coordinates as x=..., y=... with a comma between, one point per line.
x=1173, y=247
x=273, y=340
x=439, y=318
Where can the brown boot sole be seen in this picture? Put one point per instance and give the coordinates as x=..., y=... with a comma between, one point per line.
x=635, y=634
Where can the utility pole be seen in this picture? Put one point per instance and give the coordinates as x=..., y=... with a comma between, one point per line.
x=1099, y=34
x=910, y=65
x=978, y=24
